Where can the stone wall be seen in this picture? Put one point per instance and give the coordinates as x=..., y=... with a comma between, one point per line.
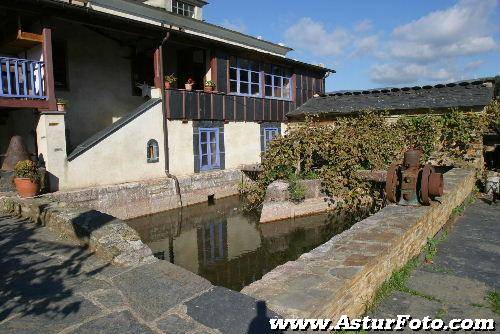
x=108, y=237
x=278, y=204
x=342, y=275
x=134, y=199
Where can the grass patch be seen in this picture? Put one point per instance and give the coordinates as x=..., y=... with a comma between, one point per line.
x=493, y=299
x=431, y=247
x=397, y=282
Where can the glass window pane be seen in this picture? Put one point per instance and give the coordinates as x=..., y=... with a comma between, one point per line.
x=204, y=148
x=214, y=159
x=232, y=87
x=286, y=82
x=243, y=75
x=269, y=91
x=255, y=77
x=233, y=74
x=213, y=148
x=212, y=136
x=203, y=137
x=277, y=92
x=286, y=92
x=243, y=88
x=269, y=80
x=255, y=90
x=204, y=160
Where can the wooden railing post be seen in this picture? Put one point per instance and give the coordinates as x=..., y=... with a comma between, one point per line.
x=49, y=69
x=158, y=63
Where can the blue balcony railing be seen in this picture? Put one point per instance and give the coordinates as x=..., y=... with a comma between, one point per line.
x=22, y=78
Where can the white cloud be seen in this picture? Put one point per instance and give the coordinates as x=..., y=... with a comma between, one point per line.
x=416, y=49
x=397, y=74
x=237, y=25
x=366, y=45
x=364, y=25
x=473, y=65
x=313, y=37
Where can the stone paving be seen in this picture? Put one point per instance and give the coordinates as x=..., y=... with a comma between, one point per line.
x=465, y=269
x=49, y=285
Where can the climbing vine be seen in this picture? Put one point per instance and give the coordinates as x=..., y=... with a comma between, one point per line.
x=334, y=152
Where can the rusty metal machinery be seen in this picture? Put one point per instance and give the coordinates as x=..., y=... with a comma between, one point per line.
x=412, y=183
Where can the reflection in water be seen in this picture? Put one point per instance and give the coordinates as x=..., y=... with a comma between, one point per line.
x=228, y=247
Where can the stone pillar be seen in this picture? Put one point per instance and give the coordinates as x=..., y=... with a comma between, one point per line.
x=51, y=141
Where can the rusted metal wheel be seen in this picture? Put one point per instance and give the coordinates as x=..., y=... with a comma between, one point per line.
x=436, y=184
x=424, y=185
x=391, y=183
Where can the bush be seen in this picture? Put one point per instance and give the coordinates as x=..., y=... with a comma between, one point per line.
x=27, y=169
x=335, y=152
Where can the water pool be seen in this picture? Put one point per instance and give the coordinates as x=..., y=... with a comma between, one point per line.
x=229, y=247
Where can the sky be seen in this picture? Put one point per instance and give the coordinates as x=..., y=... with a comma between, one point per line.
x=382, y=43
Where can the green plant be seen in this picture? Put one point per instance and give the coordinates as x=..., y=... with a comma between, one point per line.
x=493, y=298
x=171, y=78
x=210, y=83
x=297, y=190
x=335, y=152
x=27, y=169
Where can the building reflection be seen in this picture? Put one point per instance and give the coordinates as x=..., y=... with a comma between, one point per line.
x=227, y=247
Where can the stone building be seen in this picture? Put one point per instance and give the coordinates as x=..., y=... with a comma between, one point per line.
x=108, y=60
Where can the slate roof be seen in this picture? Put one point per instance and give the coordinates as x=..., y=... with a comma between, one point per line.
x=101, y=135
x=471, y=94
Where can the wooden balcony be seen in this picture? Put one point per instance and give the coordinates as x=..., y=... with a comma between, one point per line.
x=28, y=83
x=201, y=105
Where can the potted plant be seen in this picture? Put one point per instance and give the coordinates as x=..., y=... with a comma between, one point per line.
x=170, y=80
x=26, y=178
x=189, y=84
x=61, y=105
x=209, y=86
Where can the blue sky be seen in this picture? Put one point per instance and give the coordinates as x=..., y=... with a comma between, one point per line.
x=376, y=43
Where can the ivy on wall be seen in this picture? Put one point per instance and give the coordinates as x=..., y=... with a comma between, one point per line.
x=334, y=152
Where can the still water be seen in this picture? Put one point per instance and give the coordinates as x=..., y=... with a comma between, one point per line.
x=229, y=247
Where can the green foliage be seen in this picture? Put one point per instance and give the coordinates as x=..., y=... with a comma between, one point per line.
x=210, y=83
x=422, y=132
x=27, y=169
x=171, y=78
x=297, y=191
x=334, y=152
x=493, y=299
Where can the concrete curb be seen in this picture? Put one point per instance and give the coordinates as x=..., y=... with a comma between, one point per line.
x=110, y=238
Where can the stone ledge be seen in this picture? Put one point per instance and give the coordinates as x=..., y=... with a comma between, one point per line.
x=110, y=238
x=135, y=199
x=342, y=275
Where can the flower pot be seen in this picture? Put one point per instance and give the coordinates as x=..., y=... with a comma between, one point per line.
x=168, y=85
x=209, y=89
x=61, y=107
x=189, y=87
x=25, y=187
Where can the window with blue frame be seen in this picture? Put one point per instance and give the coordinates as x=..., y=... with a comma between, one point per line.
x=244, y=77
x=269, y=135
x=209, y=148
x=277, y=82
x=251, y=78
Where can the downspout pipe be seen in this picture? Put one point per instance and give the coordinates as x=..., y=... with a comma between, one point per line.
x=165, y=127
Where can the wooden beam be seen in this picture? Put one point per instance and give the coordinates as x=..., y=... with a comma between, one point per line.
x=158, y=64
x=18, y=103
x=49, y=69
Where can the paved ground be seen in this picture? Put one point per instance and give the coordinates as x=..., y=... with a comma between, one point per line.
x=51, y=286
x=465, y=269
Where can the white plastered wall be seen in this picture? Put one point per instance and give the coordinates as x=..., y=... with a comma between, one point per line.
x=180, y=146
x=242, y=143
x=121, y=157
